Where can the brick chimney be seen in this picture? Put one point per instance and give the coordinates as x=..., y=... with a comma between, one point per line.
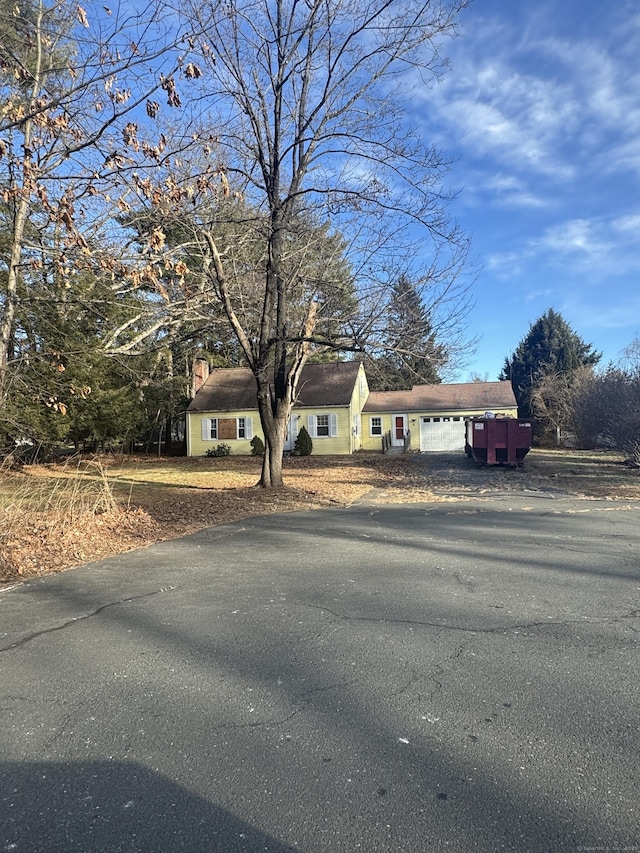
x=199, y=376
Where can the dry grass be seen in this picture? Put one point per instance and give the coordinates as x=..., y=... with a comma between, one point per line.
x=45, y=516
x=53, y=517
x=588, y=473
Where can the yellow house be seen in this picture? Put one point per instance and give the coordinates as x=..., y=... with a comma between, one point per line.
x=432, y=417
x=329, y=404
x=341, y=416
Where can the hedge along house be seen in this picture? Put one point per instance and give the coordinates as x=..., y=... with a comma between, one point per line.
x=431, y=417
x=329, y=403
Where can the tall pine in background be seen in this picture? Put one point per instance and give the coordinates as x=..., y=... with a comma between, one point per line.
x=543, y=365
x=411, y=354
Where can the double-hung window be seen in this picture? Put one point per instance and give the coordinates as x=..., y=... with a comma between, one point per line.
x=244, y=428
x=322, y=426
x=375, y=425
x=209, y=429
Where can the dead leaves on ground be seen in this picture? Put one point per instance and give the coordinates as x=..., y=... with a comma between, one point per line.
x=166, y=498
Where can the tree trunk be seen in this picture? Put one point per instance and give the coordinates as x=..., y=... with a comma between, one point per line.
x=22, y=186
x=274, y=427
x=11, y=291
x=272, y=461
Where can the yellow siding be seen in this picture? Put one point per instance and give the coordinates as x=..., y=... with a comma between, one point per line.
x=370, y=442
x=374, y=442
x=338, y=445
x=239, y=447
x=358, y=399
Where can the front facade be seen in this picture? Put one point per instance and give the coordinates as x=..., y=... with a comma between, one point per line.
x=340, y=414
x=329, y=404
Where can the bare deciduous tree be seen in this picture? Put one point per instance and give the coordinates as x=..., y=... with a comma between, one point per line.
x=552, y=396
x=606, y=407
x=307, y=101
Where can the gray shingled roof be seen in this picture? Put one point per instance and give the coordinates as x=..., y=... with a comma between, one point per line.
x=234, y=388
x=488, y=396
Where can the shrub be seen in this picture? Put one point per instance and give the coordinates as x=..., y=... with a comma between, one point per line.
x=303, y=445
x=218, y=450
x=257, y=446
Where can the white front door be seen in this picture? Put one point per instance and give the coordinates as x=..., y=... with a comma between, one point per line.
x=398, y=430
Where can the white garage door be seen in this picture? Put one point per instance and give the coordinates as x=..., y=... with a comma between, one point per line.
x=442, y=434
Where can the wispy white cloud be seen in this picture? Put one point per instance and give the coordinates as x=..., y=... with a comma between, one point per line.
x=545, y=294
x=492, y=109
x=542, y=107
x=505, y=190
x=591, y=315
x=628, y=225
x=584, y=239
x=597, y=247
x=540, y=103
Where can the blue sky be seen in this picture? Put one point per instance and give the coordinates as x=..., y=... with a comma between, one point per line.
x=541, y=109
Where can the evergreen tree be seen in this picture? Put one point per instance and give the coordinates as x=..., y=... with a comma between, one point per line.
x=551, y=349
x=412, y=356
x=313, y=261
x=62, y=388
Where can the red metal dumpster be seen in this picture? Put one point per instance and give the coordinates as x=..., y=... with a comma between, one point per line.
x=498, y=441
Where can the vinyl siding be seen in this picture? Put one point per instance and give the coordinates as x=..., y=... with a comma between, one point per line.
x=337, y=445
x=197, y=446
x=358, y=399
x=374, y=442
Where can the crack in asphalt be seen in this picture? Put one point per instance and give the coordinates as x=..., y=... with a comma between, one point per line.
x=302, y=701
x=466, y=583
x=633, y=614
x=498, y=629
x=61, y=727
x=75, y=620
x=439, y=669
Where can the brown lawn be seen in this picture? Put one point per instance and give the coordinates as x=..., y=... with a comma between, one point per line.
x=54, y=517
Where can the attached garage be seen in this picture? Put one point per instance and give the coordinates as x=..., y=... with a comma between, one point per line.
x=431, y=418
x=441, y=434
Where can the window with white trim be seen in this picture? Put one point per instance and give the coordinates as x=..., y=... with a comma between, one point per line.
x=322, y=426
x=209, y=429
x=375, y=425
x=244, y=428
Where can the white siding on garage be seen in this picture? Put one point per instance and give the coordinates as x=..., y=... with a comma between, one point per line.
x=441, y=434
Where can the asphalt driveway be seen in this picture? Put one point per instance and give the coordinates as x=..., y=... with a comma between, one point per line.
x=456, y=676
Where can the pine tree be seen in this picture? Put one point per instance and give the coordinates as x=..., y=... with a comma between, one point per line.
x=63, y=389
x=412, y=356
x=550, y=350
